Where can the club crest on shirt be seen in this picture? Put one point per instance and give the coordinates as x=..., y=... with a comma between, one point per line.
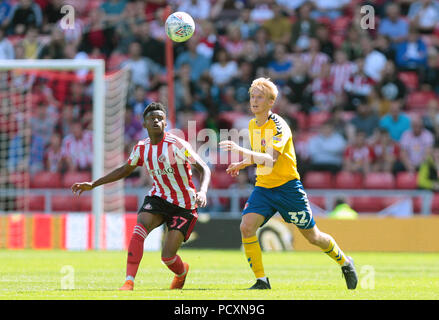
x=162, y=158
x=263, y=142
x=147, y=206
x=246, y=205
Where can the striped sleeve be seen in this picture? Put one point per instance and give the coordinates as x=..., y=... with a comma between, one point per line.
x=137, y=155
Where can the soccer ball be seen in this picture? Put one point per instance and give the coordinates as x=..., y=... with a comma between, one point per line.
x=179, y=26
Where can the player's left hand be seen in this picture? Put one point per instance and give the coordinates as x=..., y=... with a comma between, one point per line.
x=228, y=145
x=201, y=199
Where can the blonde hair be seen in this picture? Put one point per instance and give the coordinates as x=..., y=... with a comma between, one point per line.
x=266, y=86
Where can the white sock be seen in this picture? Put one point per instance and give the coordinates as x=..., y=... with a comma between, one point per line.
x=263, y=279
x=130, y=278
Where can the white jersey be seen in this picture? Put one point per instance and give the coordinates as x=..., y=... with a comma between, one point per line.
x=168, y=163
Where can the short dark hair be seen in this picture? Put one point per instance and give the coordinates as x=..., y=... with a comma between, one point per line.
x=154, y=106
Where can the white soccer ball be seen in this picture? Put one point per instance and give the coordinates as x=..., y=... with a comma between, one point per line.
x=179, y=26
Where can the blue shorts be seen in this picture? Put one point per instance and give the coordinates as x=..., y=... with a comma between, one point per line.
x=289, y=200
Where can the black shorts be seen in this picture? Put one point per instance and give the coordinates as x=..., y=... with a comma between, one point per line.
x=176, y=218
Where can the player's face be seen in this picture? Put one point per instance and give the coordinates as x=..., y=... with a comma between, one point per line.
x=259, y=103
x=155, y=122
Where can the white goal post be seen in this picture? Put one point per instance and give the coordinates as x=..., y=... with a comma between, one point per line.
x=97, y=67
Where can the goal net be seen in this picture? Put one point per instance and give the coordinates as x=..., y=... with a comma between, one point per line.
x=40, y=102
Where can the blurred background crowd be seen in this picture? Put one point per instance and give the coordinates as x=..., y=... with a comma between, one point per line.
x=359, y=100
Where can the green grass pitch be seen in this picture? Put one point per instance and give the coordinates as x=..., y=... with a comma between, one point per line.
x=215, y=275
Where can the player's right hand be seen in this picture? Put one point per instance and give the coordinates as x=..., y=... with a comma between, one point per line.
x=233, y=168
x=81, y=187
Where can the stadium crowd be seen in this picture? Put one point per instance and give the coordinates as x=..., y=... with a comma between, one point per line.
x=359, y=99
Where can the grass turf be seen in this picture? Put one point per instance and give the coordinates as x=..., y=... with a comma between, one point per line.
x=215, y=275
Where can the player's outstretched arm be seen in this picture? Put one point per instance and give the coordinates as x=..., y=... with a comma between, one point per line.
x=117, y=174
x=268, y=158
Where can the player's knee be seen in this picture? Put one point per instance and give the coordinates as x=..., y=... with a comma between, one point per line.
x=313, y=239
x=247, y=230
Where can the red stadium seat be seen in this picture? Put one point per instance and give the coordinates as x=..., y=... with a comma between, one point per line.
x=379, y=180
x=318, y=201
x=316, y=119
x=419, y=99
x=20, y=179
x=131, y=203
x=435, y=203
x=70, y=178
x=46, y=180
x=406, y=180
x=65, y=203
x=318, y=180
x=410, y=79
x=348, y=180
x=85, y=203
x=222, y=180
x=34, y=202
x=367, y=204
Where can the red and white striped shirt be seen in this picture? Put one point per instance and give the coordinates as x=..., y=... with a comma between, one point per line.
x=341, y=74
x=168, y=163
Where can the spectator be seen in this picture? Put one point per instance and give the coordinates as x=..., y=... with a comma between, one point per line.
x=430, y=75
x=77, y=148
x=331, y=9
x=246, y=26
x=53, y=156
x=411, y=54
x=341, y=70
x=151, y=48
x=81, y=102
x=144, y=71
x=67, y=118
x=6, y=47
x=32, y=45
x=424, y=15
x=297, y=83
x=233, y=42
x=44, y=121
x=198, y=63
x=5, y=8
x=198, y=9
x=314, y=59
x=393, y=25
x=112, y=10
x=374, y=61
x=24, y=14
x=385, y=45
x=342, y=210
x=396, y=122
x=224, y=69
x=96, y=34
x=324, y=37
x=278, y=27
x=428, y=174
x=415, y=145
x=325, y=150
x=339, y=121
x=391, y=87
x=17, y=157
x=184, y=89
x=264, y=48
x=303, y=29
x=261, y=12
x=351, y=45
x=55, y=48
x=358, y=86
x=133, y=127
x=386, y=153
x=138, y=101
x=242, y=82
x=208, y=44
x=322, y=90
x=431, y=118
x=291, y=5
x=279, y=69
x=358, y=155
x=365, y=120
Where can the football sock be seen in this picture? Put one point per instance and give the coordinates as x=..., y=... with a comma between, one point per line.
x=335, y=253
x=254, y=255
x=175, y=264
x=135, y=251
